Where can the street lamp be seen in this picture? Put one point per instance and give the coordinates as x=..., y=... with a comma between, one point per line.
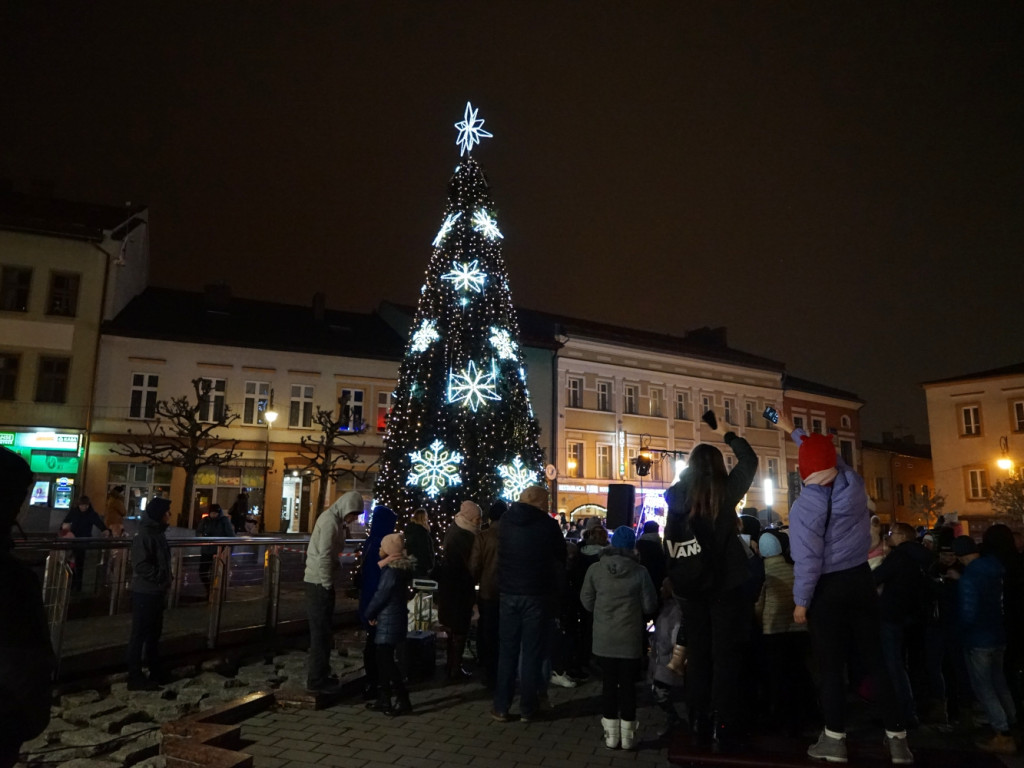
x=269, y=416
x=1005, y=462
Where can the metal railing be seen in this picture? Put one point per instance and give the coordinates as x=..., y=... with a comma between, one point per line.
x=216, y=584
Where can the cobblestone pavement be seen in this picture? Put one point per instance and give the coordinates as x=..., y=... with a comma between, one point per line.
x=451, y=726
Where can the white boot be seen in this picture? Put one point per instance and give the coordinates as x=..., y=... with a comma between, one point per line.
x=628, y=730
x=611, y=732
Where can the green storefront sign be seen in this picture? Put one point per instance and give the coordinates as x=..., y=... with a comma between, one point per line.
x=64, y=465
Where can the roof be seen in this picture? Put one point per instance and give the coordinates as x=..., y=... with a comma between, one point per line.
x=1009, y=370
x=64, y=218
x=215, y=317
x=814, y=388
x=702, y=343
x=915, y=450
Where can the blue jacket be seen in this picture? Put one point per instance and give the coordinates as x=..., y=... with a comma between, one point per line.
x=382, y=523
x=980, y=604
x=843, y=545
x=389, y=605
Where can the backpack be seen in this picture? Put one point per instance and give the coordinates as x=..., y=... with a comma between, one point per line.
x=689, y=565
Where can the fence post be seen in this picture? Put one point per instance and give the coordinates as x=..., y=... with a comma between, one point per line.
x=272, y=585
x=218, y=593
x=177, y=575
x=120, y=563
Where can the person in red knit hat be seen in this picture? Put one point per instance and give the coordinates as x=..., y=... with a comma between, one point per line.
x=834, y=593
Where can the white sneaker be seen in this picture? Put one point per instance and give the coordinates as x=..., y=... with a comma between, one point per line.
x=562, y=680
x=899, y=750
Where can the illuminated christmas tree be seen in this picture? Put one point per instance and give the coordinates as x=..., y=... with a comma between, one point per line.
x=461, y=426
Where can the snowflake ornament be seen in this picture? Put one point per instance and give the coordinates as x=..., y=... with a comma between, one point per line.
x=503, y=344
x=470, y=130
x=472, y=387
x=484, y=223
x=435, y=468
x=466, y=277
x=425, y=334
x=516, y=478
x=446, y=228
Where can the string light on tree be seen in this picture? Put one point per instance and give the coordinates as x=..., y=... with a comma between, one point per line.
x=470, y=130
x=516, y=477
x=473, y=386
x=503, y=344
x=435, y=468
x=483, y=223
x=466, y=277
x=461, y=405
x=424, y=336
x=446, y=228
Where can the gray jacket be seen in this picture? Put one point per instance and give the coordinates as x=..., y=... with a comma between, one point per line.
x=618, y=591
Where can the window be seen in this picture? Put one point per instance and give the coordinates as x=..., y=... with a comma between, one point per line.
x=629, y=399
x=798, y=422
x=705, y=403
x=604, y=395
x=383, y=410
x=879, y=489
x=574, y=459
x=1018, y=416
x=14, y=288
x=977, y=484
x=729, y=410
x=845, y=422
x=9, y=376
x=970, y=420
x=748, y=413
x=817, y=426
x=63, y=299
x=351, y=409
x=773, y=471
x=846, y=451
x=899, y=494
x=574, y=397
x=52, y=384
x=604, y=461
x=257, y=396
x=913, y=491
x=211, y=406
x=656, y=397
x=924, y=492
x=143, y=399
x=682, y=405
x=300, y=409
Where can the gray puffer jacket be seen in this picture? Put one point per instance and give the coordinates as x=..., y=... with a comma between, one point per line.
x=618, y=591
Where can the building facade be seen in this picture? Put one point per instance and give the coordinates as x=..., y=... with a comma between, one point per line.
x=898, y=476
x=976, y=427
x=64, y=268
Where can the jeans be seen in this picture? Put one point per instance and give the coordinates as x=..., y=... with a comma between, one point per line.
x=985, y=667
x=894, y=652
x=844, y=612
x=522, y=629
x=320, y=610
x=147, y=624
x=618, y=689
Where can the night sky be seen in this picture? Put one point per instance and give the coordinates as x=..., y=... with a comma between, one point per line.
x=838, y=183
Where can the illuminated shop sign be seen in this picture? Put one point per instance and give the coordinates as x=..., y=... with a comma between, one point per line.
x=49, y=441
x=566, y=488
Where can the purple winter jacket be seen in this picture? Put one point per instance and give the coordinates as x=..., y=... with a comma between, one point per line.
x=844, y=545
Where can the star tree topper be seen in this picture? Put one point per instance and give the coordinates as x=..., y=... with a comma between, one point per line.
x=470, y=130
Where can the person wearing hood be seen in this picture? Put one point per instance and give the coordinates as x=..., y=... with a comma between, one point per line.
x=456, y=588
x=151, y=578
x=26, y=656
x=388, y=612
x=325, y=542
x=80, y=520
x=619, y=592
x=833, y=590
x=593, y=543
x=382, y=523
x=531, y=558
x=905, y=604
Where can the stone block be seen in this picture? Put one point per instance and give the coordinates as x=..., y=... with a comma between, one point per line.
x=82, y=715
x=136, y=728
x=73, y=700
x=91, y=739
x=153, y=762
x=86, y=762
x=114, y=722
x=54, y=729
x=145, y=746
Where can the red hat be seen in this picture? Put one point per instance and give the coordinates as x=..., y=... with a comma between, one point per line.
x=816, y=453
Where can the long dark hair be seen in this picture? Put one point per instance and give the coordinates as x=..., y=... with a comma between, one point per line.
x=705, y=478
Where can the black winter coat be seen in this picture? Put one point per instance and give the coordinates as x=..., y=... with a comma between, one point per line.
x=82, y=522
x=531, y=552
x=907, y=593
x=151, y=559
x=456, y=588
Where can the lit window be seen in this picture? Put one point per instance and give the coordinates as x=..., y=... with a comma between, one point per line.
x=574, y=459
x=257, y=397
x=575, y=392
x=729, y=411
x=604, y=461
x=383, y=410
x=682, y=405
x=970, y=420
x=656, y=397
x=351, y=409
x=977, y=484
x=629, y=399
x=604, y=395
